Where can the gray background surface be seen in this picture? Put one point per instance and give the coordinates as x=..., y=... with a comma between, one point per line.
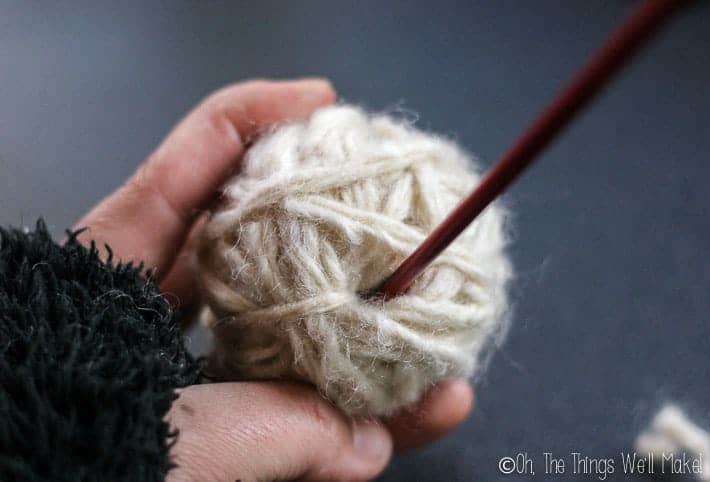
x=612, y=230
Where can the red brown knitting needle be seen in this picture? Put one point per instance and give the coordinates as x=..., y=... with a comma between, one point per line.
x=645, y=19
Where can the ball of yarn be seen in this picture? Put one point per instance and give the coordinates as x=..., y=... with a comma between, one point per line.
x=323, y=211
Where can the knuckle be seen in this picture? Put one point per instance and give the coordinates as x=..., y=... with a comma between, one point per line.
x=318, y=409
x=138, y=187
x=326, y=421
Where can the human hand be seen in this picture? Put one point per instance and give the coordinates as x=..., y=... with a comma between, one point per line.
x=254, y=430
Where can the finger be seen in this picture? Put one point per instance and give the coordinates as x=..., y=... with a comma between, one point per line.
x=149, y=216
x=441, y=410
x=178, y=285
x=270, y=431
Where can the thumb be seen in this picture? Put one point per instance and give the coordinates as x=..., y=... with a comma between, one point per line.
x=270, y=431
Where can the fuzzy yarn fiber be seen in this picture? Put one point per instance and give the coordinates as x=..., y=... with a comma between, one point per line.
x=323, y=211
x=672, y=435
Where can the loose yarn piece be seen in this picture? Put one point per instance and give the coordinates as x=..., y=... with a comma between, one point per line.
x=671, y=432
x=322, y=212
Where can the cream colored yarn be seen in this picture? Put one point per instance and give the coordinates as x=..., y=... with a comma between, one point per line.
x=671, y=434
x=324, y=210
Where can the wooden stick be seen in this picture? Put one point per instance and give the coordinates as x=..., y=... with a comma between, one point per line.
x=644, y=20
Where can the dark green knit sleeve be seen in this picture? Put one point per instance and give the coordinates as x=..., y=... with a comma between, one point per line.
x=90, y=358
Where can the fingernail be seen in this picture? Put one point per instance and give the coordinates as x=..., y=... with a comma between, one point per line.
x=371, y=440
x=316, y=86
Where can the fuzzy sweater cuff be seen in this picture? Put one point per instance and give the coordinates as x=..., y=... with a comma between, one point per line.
x=90, y=357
